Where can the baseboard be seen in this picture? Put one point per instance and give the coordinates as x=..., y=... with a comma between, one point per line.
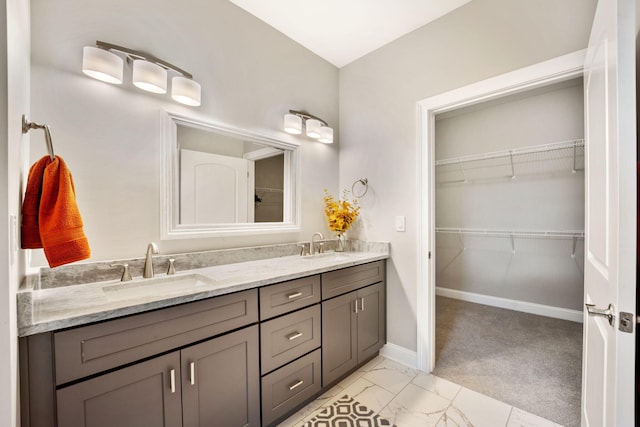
x=526, y=307
x=400, y=354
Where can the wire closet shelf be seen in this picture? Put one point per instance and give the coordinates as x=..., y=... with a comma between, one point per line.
x=512, y=235
x=565, y=155
x=548, y=234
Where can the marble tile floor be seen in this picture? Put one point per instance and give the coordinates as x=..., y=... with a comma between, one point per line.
x=409, y=398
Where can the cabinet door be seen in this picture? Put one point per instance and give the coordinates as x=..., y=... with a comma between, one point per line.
x=137, y=396
x=221, y=381
x=371, y=320
x=339, y=340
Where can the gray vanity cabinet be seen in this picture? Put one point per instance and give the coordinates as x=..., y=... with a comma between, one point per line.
x=194, y=364
x=138, y=396
x=212, y=383
x=247, y=358
x=290, y=346
x=221, y=381
x=353, y=324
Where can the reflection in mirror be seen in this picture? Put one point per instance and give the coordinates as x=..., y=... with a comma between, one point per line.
x=220, y=180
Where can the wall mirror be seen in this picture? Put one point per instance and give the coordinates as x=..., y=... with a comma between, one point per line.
x=219, y=180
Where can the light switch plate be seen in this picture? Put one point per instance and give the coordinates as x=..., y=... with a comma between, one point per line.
x=400, y=223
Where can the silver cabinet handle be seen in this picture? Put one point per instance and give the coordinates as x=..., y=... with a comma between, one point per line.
x=356, y=304
x=362, y=304
x=296, y=385
x=172, y=380
x=295, y=295
x=192, y=373
x=294, y=336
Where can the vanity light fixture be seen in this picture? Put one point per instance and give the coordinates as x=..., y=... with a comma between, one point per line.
x=102, y=62
x=315, y=127
x=102, y=65
x=149, y=76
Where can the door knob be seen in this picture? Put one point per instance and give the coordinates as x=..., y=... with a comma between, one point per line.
x=608, y=312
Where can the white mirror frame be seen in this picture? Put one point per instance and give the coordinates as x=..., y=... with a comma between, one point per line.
x=169, y=183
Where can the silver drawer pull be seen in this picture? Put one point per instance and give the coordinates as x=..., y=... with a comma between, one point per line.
x=192, y=373
x=172, y=380
x=294, y=336
x=296, y=385
x=296, y=295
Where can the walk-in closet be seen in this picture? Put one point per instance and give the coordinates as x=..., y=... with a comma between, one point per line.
x=509, y=202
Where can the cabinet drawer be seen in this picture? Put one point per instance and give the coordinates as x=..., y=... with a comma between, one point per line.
x=289, y=337
x=288, y=296
x=290, y=386
x=94, y=348
x=340, y=282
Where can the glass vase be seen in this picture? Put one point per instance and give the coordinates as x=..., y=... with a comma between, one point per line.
x=340, y=244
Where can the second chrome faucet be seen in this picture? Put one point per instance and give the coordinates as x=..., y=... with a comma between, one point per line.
x=313, y=240
x=148, y=261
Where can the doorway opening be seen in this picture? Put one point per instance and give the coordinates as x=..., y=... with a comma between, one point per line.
x=493, y=214
x=509, y=196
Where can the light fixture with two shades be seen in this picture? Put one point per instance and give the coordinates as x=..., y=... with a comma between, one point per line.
x=315, y=127
x=149, y=73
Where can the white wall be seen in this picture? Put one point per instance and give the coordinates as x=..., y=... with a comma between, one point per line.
x=110, y=136
x=545, y=195
x=378, y=96
x=14, y=101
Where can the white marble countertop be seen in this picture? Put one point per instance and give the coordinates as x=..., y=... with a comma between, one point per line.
x=51, y=309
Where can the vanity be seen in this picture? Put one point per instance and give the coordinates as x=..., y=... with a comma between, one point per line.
x=241, y=344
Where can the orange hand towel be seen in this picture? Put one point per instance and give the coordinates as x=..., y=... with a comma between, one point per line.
x=60, y=223
x=31, y=205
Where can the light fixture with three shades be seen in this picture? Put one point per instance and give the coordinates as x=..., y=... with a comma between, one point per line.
x=315, y=127
x=148, y=72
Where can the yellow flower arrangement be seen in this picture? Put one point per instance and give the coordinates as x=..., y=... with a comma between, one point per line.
x=340, y=213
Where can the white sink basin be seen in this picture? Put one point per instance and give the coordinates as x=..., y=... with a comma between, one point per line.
x=159, y=286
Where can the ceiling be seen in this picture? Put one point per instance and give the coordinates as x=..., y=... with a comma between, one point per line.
x=342, y=31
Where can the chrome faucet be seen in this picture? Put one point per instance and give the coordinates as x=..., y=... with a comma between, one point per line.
x=311, y=245
x=148, y=262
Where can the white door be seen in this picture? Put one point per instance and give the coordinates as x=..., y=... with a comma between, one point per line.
x=608, y=382
x=215, y=189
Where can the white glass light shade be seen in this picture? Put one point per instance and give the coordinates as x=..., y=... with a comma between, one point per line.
x=102, y=65
x=293, y=124
x=326, y=135
x=313, y=128
x=150, y=77
x=185, y=91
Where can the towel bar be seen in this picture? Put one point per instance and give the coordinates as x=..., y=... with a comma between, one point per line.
x=27, y=126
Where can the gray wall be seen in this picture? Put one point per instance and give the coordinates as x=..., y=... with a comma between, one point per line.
x=378, y=96
x=545, y=195
x=109, y=135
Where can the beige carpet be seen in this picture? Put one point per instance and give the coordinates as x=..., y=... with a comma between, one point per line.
x=531, y=362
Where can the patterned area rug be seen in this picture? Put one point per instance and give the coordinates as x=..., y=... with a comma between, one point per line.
x=346, y=412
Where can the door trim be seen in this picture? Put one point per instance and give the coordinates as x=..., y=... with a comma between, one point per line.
x=545, y=73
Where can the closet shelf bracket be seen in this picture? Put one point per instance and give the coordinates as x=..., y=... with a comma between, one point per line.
x=513, y=169
x=464, y=175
